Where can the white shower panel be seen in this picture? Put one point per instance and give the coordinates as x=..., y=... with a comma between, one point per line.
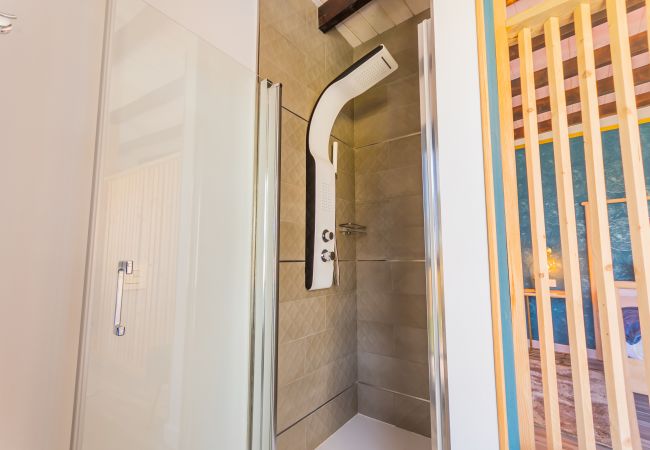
x=321, y=171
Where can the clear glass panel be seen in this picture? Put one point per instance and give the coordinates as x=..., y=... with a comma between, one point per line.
x=178, y=132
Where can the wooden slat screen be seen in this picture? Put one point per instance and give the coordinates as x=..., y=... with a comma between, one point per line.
x=545, y=25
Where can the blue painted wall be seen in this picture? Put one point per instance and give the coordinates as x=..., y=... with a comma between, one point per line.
x=620, y=236
x=502, y=250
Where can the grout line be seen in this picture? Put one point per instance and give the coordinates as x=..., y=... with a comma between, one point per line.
x=381, y=388
x=391, y=260
x=348, y=144
x=314, y=411
x=356, y=260
x=397, y=138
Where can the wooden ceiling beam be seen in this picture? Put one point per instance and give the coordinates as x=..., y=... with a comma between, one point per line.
x=566, y=31
x=333, y=12
x=605, y=86
x=638, y=45
x=608, y=109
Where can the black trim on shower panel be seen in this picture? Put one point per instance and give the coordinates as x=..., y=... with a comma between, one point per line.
x=310, y=210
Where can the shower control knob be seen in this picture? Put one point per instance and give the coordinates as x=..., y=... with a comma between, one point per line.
x=328, y=236
x=327, y=256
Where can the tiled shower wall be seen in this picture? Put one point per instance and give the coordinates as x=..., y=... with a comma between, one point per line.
x=391, y=304
x=359, y=346
x=317, y=363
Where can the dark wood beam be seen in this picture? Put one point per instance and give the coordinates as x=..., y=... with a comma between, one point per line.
x=608, y=109
x=333, y=12
x=566, y=31
x=602, y=56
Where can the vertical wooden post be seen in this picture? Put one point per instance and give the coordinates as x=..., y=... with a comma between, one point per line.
x=631, y=155
x=518, y=303
x=538, y=235
x=495, y=298
x=623, y=424
x=569, y=237
x=592, y=283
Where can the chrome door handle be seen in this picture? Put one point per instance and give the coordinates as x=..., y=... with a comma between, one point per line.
x=124, y=267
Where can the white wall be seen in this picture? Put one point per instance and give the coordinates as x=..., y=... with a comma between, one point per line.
x=230, y=26
x=472, y=398
x=49, y=88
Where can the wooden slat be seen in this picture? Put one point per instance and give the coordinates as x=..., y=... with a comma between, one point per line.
x=638, y=46
x=592, y=285
x=606, y=110
x=495, y=298
x=333, y=12
x=605, y=86
x=632, y=158
x=534, y=17
x=513, y=237
x=647, y=20
x=538, y=236
x=622, y=423
x=599, y=17
x=569, y=238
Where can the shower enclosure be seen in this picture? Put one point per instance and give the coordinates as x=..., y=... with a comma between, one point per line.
x=161, y=276
x=359, y=352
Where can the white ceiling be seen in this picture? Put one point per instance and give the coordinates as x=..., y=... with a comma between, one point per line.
x=377, y=17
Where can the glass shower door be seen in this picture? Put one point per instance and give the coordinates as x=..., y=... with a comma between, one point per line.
x=166, y=328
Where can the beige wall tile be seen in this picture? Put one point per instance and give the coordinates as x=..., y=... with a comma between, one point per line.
x=401, y=41
x=375, y=337
x=325, y=421
x=413, y=414
x=338, y=376
x=408, y=277
x=394, y=374
x=341, y=310
x=311, y=431
x=386, y=112
x=298, y=399
x=295, y=438
x=374, y=276
x=376, y=306
x=292, y=241
x=404, y=152
x=411, y=344
x=374, y=244
x=329, y=346
x=411, y=310
x=294, y=52
x=376, y=403
x=300, y=318
x=291, y=361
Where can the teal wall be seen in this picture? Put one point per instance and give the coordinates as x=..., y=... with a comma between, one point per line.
x=620, y=236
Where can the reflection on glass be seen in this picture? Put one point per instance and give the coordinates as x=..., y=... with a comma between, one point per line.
x=174, y=108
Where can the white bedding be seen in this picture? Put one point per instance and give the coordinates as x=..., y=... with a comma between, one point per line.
x=635, y=351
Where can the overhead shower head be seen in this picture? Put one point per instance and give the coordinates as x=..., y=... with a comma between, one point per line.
x=321, y=172
x=354, y=81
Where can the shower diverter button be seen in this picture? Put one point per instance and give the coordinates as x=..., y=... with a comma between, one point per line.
x=327, y=256
x=327, y=235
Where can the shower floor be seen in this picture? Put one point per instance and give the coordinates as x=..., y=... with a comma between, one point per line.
x=364, y=433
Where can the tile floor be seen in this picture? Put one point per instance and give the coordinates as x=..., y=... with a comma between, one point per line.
x=364, y=433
